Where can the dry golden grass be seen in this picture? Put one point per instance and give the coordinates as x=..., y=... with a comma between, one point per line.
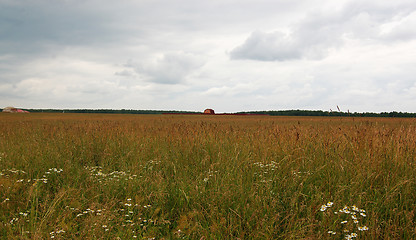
x=95, y=176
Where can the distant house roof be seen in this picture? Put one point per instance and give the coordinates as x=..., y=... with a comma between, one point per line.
x=13, y=110
x=9, y=109
x=209, y=111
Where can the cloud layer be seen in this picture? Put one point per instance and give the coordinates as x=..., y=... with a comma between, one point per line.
x=190, y=55
x=314, y=36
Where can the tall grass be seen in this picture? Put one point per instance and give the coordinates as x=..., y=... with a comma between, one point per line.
x=209, y=177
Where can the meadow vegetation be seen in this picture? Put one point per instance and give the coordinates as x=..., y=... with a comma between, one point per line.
x=97, y=176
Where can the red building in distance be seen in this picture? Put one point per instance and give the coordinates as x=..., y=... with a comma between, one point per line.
x=209, y=111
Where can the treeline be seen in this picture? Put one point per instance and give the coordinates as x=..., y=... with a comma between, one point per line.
x=271, y=113
x=113, y=111
x=330, y=113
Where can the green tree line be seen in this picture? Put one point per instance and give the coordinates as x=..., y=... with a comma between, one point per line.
x=270, y=112
x=330, y=113
x=114, y=111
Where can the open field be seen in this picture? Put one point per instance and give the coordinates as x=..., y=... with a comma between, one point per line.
x=91, y=176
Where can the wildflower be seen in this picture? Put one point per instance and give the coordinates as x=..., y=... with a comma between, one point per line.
x=363, y=228
x=14, y=220
x=24, y=214
x=355, y=213
x=332, y=232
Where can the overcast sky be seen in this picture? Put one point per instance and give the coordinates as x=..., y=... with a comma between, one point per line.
x=229, y=55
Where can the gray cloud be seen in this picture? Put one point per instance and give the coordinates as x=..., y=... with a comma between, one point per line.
x=170, y=68
x=73, y=53
x=319, y=32
x=35, y=26
x=309, y=40
x=267, y=47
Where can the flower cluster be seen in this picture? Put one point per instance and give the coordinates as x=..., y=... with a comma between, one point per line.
x=326, y=206
x=272, y=166
x=210, y=174
x=22, y=216
x=265, y=170
x=300, y=173
x=131, y=211
x=54, y=234
x=6, y=172
x=134, y=218
x=54, y=170
x=128, y=211
x=350, y=219
x=44, y=179
x=88, y=211
x=102, y=177
x=150, y=164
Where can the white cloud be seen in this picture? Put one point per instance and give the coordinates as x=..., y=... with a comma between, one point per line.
x=170, y=68
x=401, y=28
x=246, y=89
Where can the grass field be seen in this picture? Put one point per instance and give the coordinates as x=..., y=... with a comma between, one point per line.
x=74, y=176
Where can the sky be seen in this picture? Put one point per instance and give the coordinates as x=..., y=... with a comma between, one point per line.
x=228, y=55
